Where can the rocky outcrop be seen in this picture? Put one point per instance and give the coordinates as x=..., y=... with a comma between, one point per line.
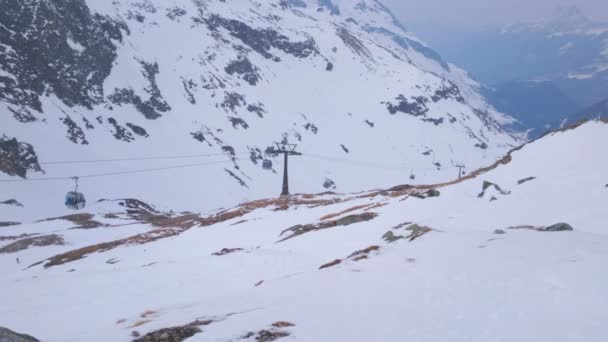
x=17, y=158
x=57, y=47
x=7, y=335
x=174, y=334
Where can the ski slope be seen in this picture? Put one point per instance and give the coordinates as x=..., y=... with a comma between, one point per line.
x=456, y=266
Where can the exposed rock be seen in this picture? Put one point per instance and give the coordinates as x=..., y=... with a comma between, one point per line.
x=49, y=54
x=559, y=227
x=37, y=241
x=311, y=127
x=245, y=69
x=16, y=158
x=75, y=134
x=225, y=251
x=522, y=181
x=345, y=221
x=9, y=224
x=237, y=178
x=175, y=13
x=137, y=130
x=174, y=334
x=450, y=91
x=499, y=232
x=353, y=43
x=257, y=108
x=7, y=335
x=331, y=264
x=427, y=194
x=416, y=106
x=12, y=202
x=283, y=324
x=329, y=184
x=263, y=41
x=120, y=133
x=433, y=193
x=267, y=335
x=390, y=237
x=417, y=231
x=238, y=122
x=487, y=185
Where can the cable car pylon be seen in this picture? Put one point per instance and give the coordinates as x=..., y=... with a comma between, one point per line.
x=287, y=150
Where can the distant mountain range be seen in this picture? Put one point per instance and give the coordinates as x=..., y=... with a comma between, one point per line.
x=559, y=63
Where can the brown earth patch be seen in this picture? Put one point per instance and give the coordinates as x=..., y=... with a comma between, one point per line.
x=37, y=241
x=344, y=221
x=331, y=264
x=82, y=221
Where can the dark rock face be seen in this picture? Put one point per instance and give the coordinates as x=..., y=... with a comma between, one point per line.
x=152, y=107
x=245, y=69
x=415, y=106
x=16, y=158
x=137, y=130
x=311, y=127
x=238, y=122
x=258, y=109
x=329, y=184
x=120, y=133
x=175, y=13
x=445, y=92
x=487, y=185
x=58, y=47
x=263, y=40
x=75, y=134
x=190, y=87
x=232, y=101
x=237, y=178
x=7, y=335
x=12, y=202
x=525, y=180
x=559, y=227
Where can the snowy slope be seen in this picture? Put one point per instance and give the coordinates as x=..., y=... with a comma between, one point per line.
x=367, y=103
x=460, y=264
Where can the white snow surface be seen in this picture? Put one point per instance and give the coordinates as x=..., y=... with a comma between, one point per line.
x=295, y=93
x=458, y=282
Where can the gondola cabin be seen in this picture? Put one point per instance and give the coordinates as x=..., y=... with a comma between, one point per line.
x=75, y=200
x=267, y=164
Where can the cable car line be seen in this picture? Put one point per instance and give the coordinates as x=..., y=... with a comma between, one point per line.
x=117, y=173
x=92, y=161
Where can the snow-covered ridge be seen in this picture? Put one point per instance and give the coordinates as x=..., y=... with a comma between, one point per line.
x=264, y=267
x=343, y=80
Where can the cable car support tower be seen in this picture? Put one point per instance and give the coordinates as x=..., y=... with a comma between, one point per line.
x=287, y=150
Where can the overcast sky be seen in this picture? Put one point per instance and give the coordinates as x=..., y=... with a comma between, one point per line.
x=487, y=12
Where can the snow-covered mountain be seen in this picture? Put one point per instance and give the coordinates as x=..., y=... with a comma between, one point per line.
x=504, y=254
x=368, y=104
